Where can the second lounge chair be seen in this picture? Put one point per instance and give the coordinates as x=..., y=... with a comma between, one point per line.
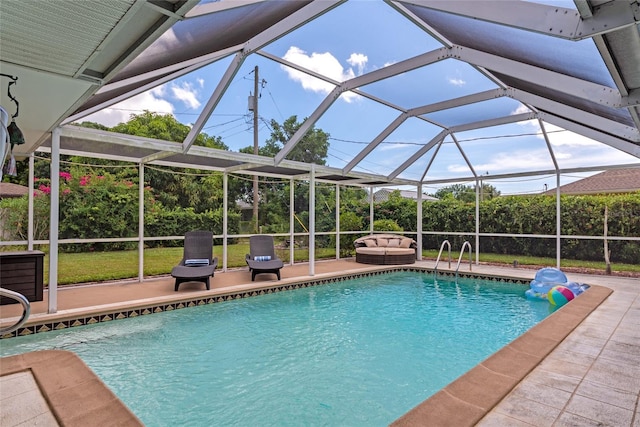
x=262, y=257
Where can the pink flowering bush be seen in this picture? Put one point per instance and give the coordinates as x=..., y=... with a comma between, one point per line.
x=91, y=206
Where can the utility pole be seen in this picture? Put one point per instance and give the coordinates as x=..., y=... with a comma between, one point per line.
x=255, y=146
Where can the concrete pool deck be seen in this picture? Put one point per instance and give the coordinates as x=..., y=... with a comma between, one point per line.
x=589, y=375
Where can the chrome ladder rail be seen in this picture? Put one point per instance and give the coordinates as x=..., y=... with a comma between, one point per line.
x=446, y=242
x=464, y=245
x=25, y=305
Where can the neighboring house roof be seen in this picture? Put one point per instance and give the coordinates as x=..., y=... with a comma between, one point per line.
x=383, y=194
x=8, y=189
x=611, y=181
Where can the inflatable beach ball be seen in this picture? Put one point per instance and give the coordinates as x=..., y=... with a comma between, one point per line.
x=559, y=295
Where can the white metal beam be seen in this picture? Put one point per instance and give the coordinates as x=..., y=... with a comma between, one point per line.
x=291, y=22
x=549, y=147
x=533, y=173
x=308, y=124
x=464, y=156
x=209, y=8
x=529, y=16
x=549, y=20
x=328, y=80
x=398, y=68
x=54, y=222
x=179, y=70
x=376, y=141
x=579, y=116
x=493, y=122
x=435, y=153
x=597, y=135
x=411, y=160
x=220, y=89
x=530, y=73
x=458, y=102
x=419, y=22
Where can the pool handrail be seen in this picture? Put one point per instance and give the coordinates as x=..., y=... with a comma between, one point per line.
x=464, y=245
x=25, y=305
x=446, y=242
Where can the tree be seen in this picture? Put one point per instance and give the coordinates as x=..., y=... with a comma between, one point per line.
x=312, y=147
x=164, y=127
x=175, y=187
x=467, y=193
x=274, y=194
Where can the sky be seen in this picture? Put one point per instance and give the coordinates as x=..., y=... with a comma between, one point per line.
x=359, y=37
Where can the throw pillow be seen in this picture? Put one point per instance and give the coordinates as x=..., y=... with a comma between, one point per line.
x=371, y=243
x=262, y=258
x=382, y=243
x=394, y=243
x=406, y=242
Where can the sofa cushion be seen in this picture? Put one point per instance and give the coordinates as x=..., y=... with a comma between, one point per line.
x=394, y=243
x=406, y=242
x=371, y=251
x=399, y=251
x=370, y=243
x=382, y=243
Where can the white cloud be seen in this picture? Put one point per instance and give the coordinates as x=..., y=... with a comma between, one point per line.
x=186, y=93
x=121, y=112
x=359, y=61
x=456, y=82
x=325, y=64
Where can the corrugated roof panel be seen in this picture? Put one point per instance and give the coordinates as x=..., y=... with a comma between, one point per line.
x=56, y=42
x=573, y=58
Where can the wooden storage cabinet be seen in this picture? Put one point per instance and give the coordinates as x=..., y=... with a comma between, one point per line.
x=22, y=272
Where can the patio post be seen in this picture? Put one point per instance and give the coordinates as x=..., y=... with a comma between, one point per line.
x=31, y=188
x=225, y=218
x=141, y=222
x=558, y=221
x=478, y=220
x=419, y=221
x=312, y=220
x=371, y=209
x=54, y=217
x=337, y=221
x=292, y=212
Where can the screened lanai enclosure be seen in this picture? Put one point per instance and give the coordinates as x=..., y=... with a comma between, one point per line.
x=415, y=95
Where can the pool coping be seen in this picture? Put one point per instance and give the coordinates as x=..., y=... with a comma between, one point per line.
x=75, y=395
x=465, y=401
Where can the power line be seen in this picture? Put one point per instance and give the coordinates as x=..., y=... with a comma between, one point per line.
x=448, y=142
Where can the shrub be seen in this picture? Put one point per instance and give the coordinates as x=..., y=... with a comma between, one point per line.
x=386, y=225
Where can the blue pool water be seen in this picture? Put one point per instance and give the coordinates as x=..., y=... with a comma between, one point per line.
x=358, y=352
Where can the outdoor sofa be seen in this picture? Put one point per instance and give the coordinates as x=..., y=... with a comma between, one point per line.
x=385, y=249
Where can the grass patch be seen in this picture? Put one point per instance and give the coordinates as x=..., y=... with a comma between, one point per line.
x=104, y=266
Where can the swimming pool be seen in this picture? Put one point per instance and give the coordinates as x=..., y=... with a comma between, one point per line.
x=358, y=352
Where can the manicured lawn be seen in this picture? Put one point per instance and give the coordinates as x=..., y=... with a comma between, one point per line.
x=102, y=266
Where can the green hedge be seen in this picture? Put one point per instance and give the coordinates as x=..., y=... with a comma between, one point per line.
x=580, y=215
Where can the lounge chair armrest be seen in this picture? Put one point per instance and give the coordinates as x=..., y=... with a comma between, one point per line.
x=214, y=262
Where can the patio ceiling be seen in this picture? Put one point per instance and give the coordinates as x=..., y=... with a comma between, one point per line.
x=75, y=58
